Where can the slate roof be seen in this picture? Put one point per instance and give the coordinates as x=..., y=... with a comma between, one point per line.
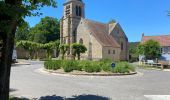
x=164, y=40
x=101, y=32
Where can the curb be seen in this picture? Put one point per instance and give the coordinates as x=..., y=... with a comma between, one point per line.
x=90, y=74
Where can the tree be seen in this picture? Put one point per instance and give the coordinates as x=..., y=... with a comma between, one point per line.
x=78, y=49
x=133, y=51
x=151, y=49
x=47, y=30
x=31, y=47
x=63, y=49
x=22, y=32
x=57, y=47
x=49, y=47
x=11, y=16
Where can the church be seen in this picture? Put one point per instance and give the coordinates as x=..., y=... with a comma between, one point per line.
x=103, y=41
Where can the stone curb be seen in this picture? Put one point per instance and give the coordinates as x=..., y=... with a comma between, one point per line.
x=91, y=74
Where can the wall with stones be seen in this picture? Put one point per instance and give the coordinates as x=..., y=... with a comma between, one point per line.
x=121, y=37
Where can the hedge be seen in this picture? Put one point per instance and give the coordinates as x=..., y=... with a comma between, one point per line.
x=88, y=66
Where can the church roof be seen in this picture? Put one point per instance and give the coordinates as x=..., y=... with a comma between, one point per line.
x=101, y=32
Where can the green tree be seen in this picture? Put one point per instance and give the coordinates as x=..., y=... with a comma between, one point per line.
x=78, y=49
x=152, y=49
x=29, y=46
x=49, y=47
x=12, y=15
x=22, y=32
x=133, y=51
x=63, y=49
x=57, y=47
x=140, y=49
x=47, y=30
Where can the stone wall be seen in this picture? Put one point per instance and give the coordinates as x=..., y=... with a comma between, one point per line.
x=23, y=54
x=119, y=35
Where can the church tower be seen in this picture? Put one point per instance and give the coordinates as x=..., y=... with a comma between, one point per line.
x=73, y=12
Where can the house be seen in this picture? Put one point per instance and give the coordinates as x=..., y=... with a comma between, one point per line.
x=103, y=41
x=164, y=41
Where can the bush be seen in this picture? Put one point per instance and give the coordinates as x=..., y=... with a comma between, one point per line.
x=123, y=67
x=105, y=66
x=68, y=66
x=52, y=65
x=91, y=67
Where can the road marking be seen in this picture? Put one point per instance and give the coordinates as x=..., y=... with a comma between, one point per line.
x=158, y=97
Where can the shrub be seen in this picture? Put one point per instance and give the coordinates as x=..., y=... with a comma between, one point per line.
x=106, y=60
x=91, y=67
x=54, y=65
x=106, y=66
x=68, y=66
x=123, y=67
x=78, y=65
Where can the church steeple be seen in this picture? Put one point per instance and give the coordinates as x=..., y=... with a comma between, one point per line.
x=73, y=13
x=74, y=8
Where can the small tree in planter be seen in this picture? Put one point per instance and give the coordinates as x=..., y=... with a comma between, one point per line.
x=63, y=48
x=78, y=49
x=57, y=47
x=28, y=46
x=49, y=47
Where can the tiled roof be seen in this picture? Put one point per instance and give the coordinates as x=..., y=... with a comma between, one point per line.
x=164, y=40
x=101, y=32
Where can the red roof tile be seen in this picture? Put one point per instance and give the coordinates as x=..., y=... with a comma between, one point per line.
x=101, y=32
x=164, y=40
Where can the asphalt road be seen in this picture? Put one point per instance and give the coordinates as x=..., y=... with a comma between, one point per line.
x=28, y=81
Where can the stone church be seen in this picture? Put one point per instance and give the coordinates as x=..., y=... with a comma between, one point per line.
x=103, y=41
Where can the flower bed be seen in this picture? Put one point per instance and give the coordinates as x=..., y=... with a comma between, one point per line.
x=89, y=66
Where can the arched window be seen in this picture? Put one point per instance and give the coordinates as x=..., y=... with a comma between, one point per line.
x=79, y=11
x=81, y=41
x=121, y=45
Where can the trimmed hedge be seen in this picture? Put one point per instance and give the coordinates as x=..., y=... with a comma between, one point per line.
x=89, y=66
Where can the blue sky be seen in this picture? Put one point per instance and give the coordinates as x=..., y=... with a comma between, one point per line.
x=135, y=16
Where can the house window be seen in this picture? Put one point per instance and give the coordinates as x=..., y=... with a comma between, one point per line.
x=108, y=51
x=122, y=46
x=161, y=50
x=113, y=51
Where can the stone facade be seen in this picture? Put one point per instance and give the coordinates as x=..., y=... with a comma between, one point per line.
x=101, y=40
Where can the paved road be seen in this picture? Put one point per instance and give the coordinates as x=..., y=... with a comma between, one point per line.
x=28, y=81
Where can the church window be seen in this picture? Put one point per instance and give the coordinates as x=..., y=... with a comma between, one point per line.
x=108, y=51
x=67, y=10
x=81, y=41
x=77, y=10
x=122, y=46
x=113, y=51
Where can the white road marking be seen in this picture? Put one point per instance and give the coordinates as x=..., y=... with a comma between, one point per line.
x=158, y=97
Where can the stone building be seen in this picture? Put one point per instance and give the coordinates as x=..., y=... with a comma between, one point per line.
x=101, y=40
